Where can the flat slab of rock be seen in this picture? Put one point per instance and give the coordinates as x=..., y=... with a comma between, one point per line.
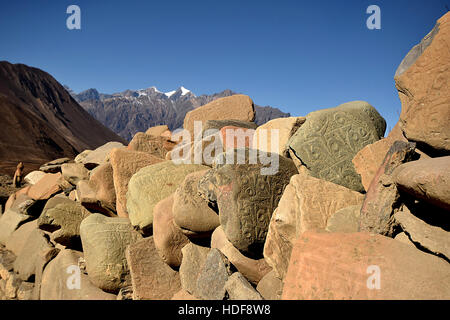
x=252, y=269
x=307, y=204
x=60, y=280
x=98, y=156
x=151, y=278
x=423, y=79
x=190, y=211
x=104, y=241
x=194, y=257
x=236, y=107
x=46, y=187
x=426, y=179
x=433, y=238
x=238, y=288
x=213, y=276
x=125, y=163
x=152, y=184
x=168, y=237
x=54, y=166
x=357, y=266
x=329, y=139
x=62, y=218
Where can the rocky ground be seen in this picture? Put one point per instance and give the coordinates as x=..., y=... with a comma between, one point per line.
x=347, y=214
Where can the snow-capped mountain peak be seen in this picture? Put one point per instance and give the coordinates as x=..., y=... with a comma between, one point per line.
x=184, y=91
x=170, y=93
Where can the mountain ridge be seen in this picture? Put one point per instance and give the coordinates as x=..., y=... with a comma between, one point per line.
x=132, y=111
x=41, y=121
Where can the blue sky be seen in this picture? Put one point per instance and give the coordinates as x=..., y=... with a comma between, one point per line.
x=299, y=56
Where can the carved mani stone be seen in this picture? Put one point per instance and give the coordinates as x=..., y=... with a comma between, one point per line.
x=246, y=200
x=329, y=139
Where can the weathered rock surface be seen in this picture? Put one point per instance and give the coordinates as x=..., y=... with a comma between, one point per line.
x=370, y=158
x=102, y=194
x=62, y=218
x=253, y=270
x=213, y=276
x=152, y=184
x=432, y=238
x=151, y=278
x=37, y=247
x=9, y=222
x=194, y=257
x=346, y=265
x=423, y=83
x=307, y=204
x=33, y=177
x=80, y=157
x=238, y=288
x=236, y=107
x=190, y=211
x=281, y=129
x=125, y=163
x=382, y=198
x=16, y=242
x=216, y=125
x=63, y=280
x=104, y=240
x=168, y=237
x=156, y=146
x=46, y=187
x=344, y=220
x=74, y=172
x=329, y=139
x=427, y=179
x=270, y=287
x=183, y=295
x=157, y=130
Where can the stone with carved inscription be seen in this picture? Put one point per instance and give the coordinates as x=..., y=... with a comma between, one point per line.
x=423, y=84
x=190, y=211
x=104, y=241
x=246, y=198
x=329, y=139
x=307, y=203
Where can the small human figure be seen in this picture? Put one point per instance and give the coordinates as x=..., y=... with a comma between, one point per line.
x=17, y=180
